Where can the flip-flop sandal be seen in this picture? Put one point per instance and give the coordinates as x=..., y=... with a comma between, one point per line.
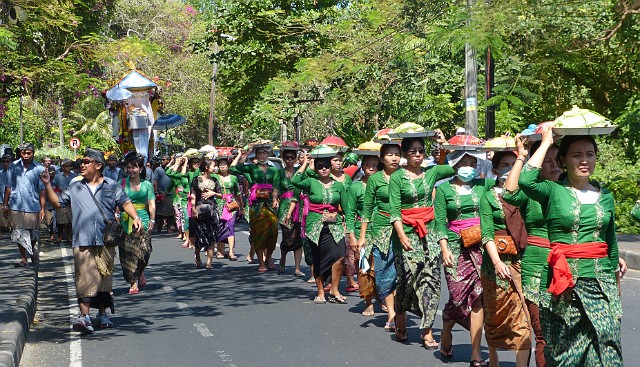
x=352, y=288
x=262, y=270
x=319, y=300
x=311, y=280
x=366, y=313
x=134, y=291
x=430, y=344
x=233, y=258
x=334, y=299
x=20, y=264
x=390, y=326
x=300, y=274
x=220, y=256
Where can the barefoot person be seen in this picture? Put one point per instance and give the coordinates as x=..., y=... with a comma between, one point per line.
x=376, y=229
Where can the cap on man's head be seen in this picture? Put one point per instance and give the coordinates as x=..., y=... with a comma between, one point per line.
x=165, y=156
x=65, y=162
x=27, y=146
x=95, y=154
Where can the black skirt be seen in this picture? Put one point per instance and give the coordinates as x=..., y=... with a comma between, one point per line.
x=205, y=227
x=326, y=253
x=291, y=239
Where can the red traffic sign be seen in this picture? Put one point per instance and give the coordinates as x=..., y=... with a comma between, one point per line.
x=74, y=143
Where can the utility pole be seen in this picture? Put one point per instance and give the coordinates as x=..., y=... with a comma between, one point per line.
x=471, y=78
x=60, y=128
x=490, y=112
x=212, y=102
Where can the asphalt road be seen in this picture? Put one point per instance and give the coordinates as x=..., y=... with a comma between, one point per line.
x=235, y=316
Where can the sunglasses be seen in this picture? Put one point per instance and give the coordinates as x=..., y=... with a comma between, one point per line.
x=5, y=161
x=289, y=157
x=416, y=152
x=87, y=161
x=323, y=166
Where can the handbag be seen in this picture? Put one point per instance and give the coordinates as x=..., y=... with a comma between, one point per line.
x=505, y=245
x=329, y=217
x=263, y=194
x=367, y=283
x=232, y=205
x=471, y=236
x=113, y=231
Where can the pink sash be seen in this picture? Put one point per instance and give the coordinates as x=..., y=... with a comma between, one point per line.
x=254, y=189
x=305, y=213
x=226, y=214
x=459, y=225
x=295, y=217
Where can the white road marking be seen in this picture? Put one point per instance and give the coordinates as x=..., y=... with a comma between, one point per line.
x=225, y=358
x=186, y=310
x=203, y=329
x=75, y=346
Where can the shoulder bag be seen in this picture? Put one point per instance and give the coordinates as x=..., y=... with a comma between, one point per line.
x=113, y=232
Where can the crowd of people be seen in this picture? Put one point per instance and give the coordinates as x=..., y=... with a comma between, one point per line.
x=525, y=238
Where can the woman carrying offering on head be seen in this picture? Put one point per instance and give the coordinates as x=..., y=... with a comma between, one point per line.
x=324, y=226
x=263, y=204
x=230, y=191
x=289, y=210
x=457, y=210
x=417, y=253
x=376, y=229
x=581, y=325
x=504, y=237
x=535, y=270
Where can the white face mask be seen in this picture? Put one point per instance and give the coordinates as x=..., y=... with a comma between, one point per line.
x=504, y=173
x=466, y=174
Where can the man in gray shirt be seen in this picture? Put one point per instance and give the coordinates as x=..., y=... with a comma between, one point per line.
x=93, y=261
x=162, y=185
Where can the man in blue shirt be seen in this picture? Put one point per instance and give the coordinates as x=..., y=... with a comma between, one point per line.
x=93, y=262
x=24, y=202
x=113, y=171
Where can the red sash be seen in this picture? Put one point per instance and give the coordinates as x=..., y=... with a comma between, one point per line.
x=538, y=241
x=418, y=219
x=562, y=277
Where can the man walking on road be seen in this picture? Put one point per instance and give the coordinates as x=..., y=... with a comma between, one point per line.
x=93, y=261
x=162, y=186
x=113, y=171
x=24, y=203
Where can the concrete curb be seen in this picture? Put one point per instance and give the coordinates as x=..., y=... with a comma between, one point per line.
x=13, y=335
x=631, y=257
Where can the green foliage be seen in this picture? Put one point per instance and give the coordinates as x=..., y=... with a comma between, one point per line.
x=620, y=175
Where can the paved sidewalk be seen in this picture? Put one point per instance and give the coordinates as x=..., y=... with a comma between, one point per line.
x=629, y=249
x=18, y=295
x=19, y=290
